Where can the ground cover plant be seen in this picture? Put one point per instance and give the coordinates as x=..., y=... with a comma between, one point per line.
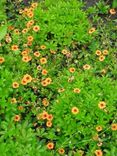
x=58, y=80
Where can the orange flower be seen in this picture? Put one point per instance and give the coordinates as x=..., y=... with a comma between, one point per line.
x=75, y=110
x=30, y=14
x=43, y=60
x=27, y=78
x=37, y=54
x=24, y=30
x=98, y=52
x=49, y=124
x=86, y=67
x=2, y=60
x=44, y=115
x=14, y=47
x=92, y=30
x=26, y=58
x=30, y=23
x=34, y=5
x=36, y=28
x=11, y=27
x=112, y=11
x=43, y=47
x=48, y=80
x=52, y=51
x=102, y=105
x=50, y=145
x=16, y=31
x=15, y=85
x=61, y=151
x=13, y=100
x=24, y=53
x=50, y=117
x=101, y=58
x=30, y=38
x=105, y=52
x=76, y=90
x=17, y=118
x=98, y=153
x=23, y=82
x=44, y=72
x=72, y=70
x=64, y=51
x=44, y=83
x=114, y=127
x=39, y=67
x=99, y=128
x=45, y=102
x=61, y=90
x=20, y=108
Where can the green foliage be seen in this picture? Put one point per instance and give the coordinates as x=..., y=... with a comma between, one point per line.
x=64, y=41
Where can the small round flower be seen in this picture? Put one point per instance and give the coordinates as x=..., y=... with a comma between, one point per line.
x=16, y=31
x=98, y=153
x=37, y=54
x=64, y=51
x=61, y=151
x=45, y=102
x=114, y=127
x=30, y=23
x=50, y=117
x=101, y=104
x=44, y=83
x=28, y=78
x=34, y=5
x=99, y=128
x=105, y=52
x=98, y=52
x=36, y=28
x=43, y=60
x=76, y=90
x=24, y=30
x=2, y=60
x=44, y=72
x=92, y=30
x=20, y=108
x=43, y=47
x=52, y=51
x=39, y=67
x=60, y=90
x=17, y=118
x=24, y=53
x=101, y=58
x=86, y=67
x=14, y=47
x=23, y=82
x=72, y=70
x=26, y=58
x=13, y=100
x=30, y=14
x=50, y=145
x=75, y=110
x=49, y=124
x=112, y=11
x=48, y=80
x=15, y=85
x=30, y=38
x=44, y=115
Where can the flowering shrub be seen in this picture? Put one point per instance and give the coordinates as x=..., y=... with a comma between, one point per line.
x=57, y=82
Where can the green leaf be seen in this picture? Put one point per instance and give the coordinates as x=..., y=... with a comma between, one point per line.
x=3, y=31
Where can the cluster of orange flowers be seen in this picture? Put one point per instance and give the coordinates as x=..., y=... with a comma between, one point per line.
x=45, y=116
x=101, y=54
